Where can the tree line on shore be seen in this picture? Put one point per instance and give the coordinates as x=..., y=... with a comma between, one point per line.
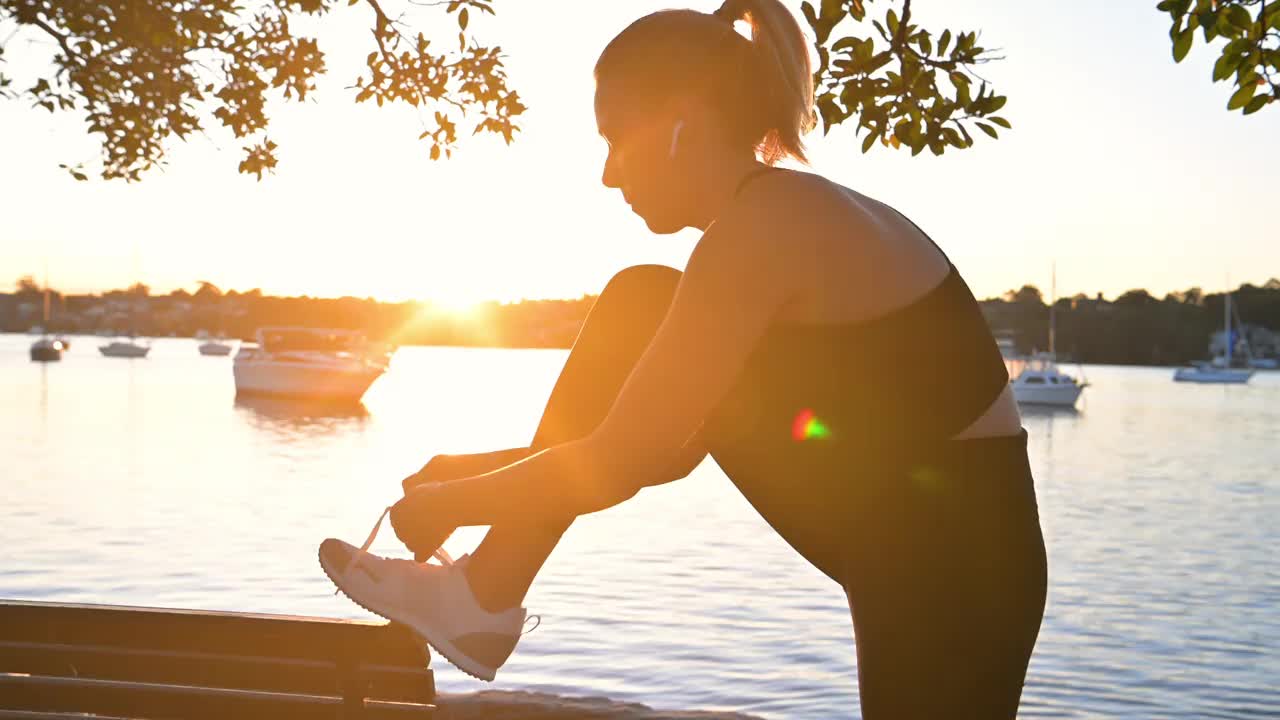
x=1134, y=328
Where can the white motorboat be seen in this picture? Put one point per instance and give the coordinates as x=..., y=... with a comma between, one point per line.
x=124, y=349
x=215, y=348
x=1042, y=383
x=1218, y=371
x=308, y=362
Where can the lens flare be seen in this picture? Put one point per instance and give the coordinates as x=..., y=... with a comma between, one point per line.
x=807, y=426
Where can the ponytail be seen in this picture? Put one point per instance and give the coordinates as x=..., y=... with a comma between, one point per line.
x=762, y=88
x=785, y=81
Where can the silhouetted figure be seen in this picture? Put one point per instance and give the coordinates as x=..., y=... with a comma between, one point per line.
x=818, y=344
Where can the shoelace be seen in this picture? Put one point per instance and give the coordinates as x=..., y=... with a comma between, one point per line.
x=440, y=554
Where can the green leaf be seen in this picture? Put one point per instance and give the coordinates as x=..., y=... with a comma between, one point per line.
x=1182, y=45
x=1256, y=104
x=943, y=42
x=1001, y=122
x=1239, y=17
x=869, y=141
x=810, y=15
x=1225, y=66
x=1242, y=96
x=845, y=42
x=463, y=19
x=987, y=129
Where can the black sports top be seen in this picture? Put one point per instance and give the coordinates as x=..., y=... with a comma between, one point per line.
x=838, y=400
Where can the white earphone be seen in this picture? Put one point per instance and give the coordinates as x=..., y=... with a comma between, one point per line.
x=675, y=137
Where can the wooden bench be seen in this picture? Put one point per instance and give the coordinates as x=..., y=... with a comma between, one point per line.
x=84, y=661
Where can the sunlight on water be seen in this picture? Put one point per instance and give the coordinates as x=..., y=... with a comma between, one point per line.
x=148, y=483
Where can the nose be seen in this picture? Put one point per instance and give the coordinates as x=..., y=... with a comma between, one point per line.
x=610, y=176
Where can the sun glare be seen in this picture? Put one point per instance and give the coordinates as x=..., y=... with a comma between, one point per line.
x=458, y=305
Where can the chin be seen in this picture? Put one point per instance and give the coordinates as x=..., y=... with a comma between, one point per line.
x=662, y=225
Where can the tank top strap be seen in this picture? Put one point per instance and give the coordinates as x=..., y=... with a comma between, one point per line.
x=926, y=235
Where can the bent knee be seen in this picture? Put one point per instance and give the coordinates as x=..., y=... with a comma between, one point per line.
x=643, y=281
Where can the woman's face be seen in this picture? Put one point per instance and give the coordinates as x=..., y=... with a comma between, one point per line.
x=640, y=163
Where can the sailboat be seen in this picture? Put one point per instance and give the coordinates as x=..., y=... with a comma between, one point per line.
x=46, y=349
x=1211, y=371
x=1041, y=382
x=130, y=348
x=213, y=345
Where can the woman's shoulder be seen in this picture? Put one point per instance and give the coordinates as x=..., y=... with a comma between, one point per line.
x=788, y=211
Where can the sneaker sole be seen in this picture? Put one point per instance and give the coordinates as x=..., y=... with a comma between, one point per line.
x=424, y=632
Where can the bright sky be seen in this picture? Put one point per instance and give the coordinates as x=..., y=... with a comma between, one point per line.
x=1122, y=167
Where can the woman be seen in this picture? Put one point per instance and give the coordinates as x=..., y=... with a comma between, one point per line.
x=818, y=345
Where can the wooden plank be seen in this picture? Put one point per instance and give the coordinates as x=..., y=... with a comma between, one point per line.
x=32, y=715
x=285, y=636
x=182, y=702
x=354, y=659
x=244, y=672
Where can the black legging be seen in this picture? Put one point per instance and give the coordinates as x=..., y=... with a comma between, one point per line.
x=946, y=589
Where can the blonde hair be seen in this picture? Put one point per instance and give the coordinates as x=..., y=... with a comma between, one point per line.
x=762, y=87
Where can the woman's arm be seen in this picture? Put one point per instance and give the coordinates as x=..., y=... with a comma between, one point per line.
x=734, y=284
x=451, y=467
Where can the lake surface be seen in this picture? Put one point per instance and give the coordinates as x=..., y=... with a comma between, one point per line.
x=147, y=483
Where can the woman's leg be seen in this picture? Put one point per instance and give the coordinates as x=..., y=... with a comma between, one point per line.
x=617, y=330
x=947, y=584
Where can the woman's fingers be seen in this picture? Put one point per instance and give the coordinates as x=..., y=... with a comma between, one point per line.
x=411, y=519
x=433, y=471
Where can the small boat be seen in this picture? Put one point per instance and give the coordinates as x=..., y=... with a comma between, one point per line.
x=46, y=349
x=1218, y=371
x=215, y=348
x=1269, y=363
x=308, y=362
x=1042, y=383
x=124, y=349
x=1205, y=372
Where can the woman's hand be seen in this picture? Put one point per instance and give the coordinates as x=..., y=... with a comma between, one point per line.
x=452, y=467
x=438, y=469
x=410, y=516
x=420, y=529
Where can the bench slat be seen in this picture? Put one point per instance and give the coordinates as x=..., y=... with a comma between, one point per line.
x=184, y=702
x=285, y=636
x=244, y=672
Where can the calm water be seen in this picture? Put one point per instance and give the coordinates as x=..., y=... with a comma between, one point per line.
x=147, y=483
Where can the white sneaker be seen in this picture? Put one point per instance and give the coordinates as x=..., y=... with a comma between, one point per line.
x=435, y=601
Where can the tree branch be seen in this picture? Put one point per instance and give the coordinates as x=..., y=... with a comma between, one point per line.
x=62, y=39
x=900, y=42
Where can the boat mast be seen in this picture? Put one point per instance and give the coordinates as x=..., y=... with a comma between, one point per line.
x=46, y=298
x=1226, y=324
x=1053, y=300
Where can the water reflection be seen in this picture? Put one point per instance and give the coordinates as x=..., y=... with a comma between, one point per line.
x=1047, y=411
x=44, y=396
x=152, y=486
x=301, y=415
